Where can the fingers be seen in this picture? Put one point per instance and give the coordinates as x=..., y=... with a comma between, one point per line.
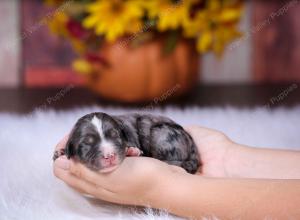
x=79, y=182
x=60, y=148
x=76, y=183
x=77, y=169
x=62, y=143
x=197, y=130
x=82, y=172
x=190, y=128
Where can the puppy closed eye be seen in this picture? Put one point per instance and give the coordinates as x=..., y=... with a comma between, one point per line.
x=113, y=133
x=89, y=140
x=85, y=148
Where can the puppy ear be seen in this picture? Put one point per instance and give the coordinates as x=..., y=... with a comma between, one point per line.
x=124, y=134
x=70, y=149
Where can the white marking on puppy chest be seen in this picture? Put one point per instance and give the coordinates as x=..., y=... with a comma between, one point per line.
x=107, y=146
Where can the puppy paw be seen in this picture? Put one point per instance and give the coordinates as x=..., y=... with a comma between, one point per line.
x=134, y=151
x=58, y=153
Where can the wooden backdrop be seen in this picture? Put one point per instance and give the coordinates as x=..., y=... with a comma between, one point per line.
x=46, y=57
x=276, y=34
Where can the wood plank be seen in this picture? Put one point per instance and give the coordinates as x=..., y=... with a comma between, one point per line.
x=51, y=76
x=46, y=58
x=235, y=64
x=276, y=35
x=240, y=96
x=9, y=44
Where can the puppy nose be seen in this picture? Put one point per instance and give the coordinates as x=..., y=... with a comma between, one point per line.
x=110, y=157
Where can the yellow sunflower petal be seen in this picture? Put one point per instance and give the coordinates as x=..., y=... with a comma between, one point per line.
x=90, y=21
x=204, y=42
x=58, y=24
x=82, y=66
x=214, y=5
x=230, y=15
x=113, y=19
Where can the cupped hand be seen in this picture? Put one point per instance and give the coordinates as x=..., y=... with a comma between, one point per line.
x=134, y=182
x=215, y=149
x=137, y=179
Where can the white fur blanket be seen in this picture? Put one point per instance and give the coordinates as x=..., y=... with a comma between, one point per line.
x=29, y=190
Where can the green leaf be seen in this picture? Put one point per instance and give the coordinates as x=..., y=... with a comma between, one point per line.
x=137, y=40
x=171, y=42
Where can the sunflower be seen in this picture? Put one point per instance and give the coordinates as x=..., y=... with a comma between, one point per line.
x=114, y=18
x=214, y=26
x=170, y=14
x=57, y=24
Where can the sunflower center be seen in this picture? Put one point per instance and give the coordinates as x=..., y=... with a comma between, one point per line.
x=117, y=7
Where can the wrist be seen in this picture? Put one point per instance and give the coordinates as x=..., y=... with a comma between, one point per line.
x=237, y=158
x=181, y=194
x=166, y=189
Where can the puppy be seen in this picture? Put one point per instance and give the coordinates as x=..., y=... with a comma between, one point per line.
x=101, y=141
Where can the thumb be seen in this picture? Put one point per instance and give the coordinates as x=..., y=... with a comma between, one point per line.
x=177, y=169
x=62, y=163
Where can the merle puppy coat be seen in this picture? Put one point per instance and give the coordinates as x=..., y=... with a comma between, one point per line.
x=102, y=141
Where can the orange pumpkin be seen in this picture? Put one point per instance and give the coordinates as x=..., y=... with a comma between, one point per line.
x=145, y=73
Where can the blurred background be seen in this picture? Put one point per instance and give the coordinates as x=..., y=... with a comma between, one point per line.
x=229, y=65
x=259, y=62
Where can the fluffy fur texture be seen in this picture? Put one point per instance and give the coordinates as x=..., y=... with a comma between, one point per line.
x=29, y=190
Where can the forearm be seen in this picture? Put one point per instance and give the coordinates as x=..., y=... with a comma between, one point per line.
x=248, y=162
x=196, y=197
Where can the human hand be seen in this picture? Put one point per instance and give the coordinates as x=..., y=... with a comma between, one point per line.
x=137, y=181
x=215, y=149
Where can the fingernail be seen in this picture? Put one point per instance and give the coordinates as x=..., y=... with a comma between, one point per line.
x=63, y=163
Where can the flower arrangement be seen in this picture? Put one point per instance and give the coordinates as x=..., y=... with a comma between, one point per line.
x=87, y=24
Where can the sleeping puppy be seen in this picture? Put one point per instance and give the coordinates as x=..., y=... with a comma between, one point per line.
x=101, y=141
